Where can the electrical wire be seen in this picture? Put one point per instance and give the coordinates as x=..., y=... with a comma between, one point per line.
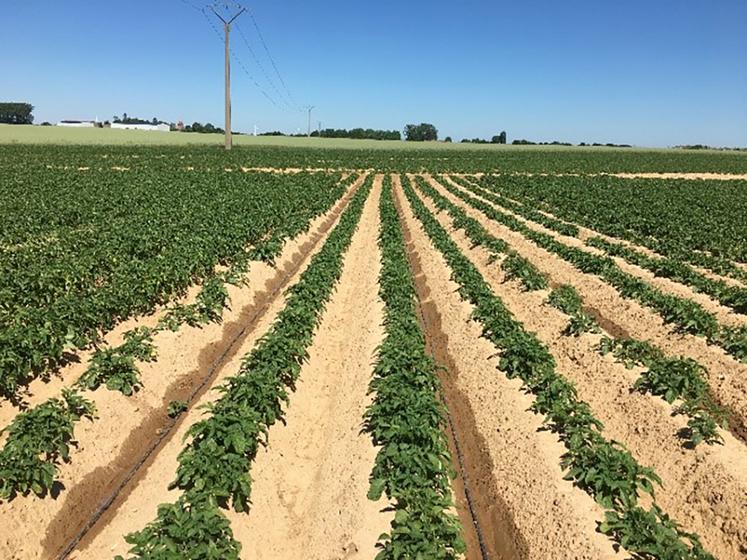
x=237, y=59
x=261, y=67
x=272, y=60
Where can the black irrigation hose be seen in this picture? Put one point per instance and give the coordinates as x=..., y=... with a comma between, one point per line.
x=460, y=457
x=106, y=504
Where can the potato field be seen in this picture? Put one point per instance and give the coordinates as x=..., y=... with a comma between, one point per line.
x=287, y=353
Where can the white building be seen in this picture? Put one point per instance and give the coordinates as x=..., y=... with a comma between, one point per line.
x=77, y=124
x=148, y=127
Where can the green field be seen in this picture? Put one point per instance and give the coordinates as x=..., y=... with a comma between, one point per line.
x=28, y=134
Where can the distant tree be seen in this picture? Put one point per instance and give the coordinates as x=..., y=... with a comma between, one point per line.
x=423, y=132
x=196, y=127
x=499, y=138
x=46, y=123
x=447, y=139
x=360, y=134
x=16, y=113
x=154, y=121
x=208, y=128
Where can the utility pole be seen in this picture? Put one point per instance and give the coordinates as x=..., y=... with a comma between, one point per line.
x=227, y=28
x=309, y=109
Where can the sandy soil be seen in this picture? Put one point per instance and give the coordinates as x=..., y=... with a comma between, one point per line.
x=586, y=233
x=689, y=176
x=692, y=176
x=727, y=378
x=310, y=485
x=40, y=390
x=704, y=489
x=724, y=315
x=131, y=430
x=545, y=517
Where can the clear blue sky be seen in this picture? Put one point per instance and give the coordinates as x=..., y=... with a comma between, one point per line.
x=648, y=72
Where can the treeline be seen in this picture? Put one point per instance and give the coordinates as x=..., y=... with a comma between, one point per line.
x=207, y=128
x=16, y=113
x=135, y=120
x=706, y=147
x=358, y=134
x=558, y=143
x=497, y=139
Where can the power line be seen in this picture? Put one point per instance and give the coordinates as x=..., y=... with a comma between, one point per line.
x=272, y=60
x=290, y=101
x=238, y=60
x=261, y=66
x=191, y=5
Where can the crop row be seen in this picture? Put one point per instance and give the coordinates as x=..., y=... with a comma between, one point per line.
x=602, y=468
x=29, y=460
x=406, y=417
x=734, y=297
x=214, y=467
x=514, y=265
x=413, y=157
x=93, y=250
x=671, y=378
x=693, y=221
x=686, y=315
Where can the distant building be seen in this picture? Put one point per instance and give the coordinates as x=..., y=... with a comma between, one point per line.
x=77, y=124
x=148, y=127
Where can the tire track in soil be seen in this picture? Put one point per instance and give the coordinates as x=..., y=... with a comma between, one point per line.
x=532, y=512
x=704, y=489
x=726, y=377
x=90, y=503
x=310, y=485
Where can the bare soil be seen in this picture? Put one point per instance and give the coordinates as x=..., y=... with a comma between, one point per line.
x=727, y=378
x=704, y=489
x=544, y=516
x=724, y=315
x=111, y=450
x=310, y=485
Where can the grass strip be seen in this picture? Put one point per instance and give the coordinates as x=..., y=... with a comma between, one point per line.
x=603, y=468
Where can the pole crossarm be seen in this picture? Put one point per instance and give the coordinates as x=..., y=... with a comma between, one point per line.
x=230, y=21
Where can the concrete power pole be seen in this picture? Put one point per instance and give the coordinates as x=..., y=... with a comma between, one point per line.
x=309, y=109
x=227, y=28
